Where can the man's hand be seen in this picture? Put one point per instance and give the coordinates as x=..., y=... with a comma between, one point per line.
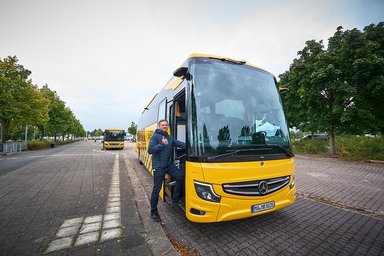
x=165, y=141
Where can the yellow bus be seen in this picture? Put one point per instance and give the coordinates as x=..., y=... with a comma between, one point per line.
x=238, y=161
x=113, y=138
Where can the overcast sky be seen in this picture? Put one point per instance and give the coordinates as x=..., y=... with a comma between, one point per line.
x=106, y=59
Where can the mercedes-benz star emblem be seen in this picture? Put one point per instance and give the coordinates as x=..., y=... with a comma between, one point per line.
x=263, y=187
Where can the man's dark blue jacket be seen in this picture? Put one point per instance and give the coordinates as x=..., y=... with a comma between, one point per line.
x=160, y=152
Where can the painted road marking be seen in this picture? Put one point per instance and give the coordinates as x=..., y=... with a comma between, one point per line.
x=317, y=174
x=92, y=229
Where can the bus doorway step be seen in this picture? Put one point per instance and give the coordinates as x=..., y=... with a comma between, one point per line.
x=170, y=184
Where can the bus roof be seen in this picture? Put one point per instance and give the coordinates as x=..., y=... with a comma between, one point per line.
x=196, y=55
x=174, y=81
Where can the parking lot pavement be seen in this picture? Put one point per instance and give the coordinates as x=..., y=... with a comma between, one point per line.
x=79, y=200
x=357, y=186
x=72, y=200
x=331, y=216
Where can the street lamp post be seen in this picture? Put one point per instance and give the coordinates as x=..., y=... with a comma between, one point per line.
x=26, y=134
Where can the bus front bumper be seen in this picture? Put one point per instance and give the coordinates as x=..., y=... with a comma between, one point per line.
x=232, y=208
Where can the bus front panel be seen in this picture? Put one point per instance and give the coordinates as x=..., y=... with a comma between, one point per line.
x=227, y=191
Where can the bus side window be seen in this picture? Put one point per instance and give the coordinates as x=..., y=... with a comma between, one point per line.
x=180, y=123
x=181, y=133
x=161, y=114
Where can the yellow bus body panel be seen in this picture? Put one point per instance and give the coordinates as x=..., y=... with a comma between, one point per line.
x=142, y=143
x=232, y=206
x=113, y=145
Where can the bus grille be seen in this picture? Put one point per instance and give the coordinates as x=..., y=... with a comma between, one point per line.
x=257, y=187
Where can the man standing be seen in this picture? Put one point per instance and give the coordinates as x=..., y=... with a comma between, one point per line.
x=160, y=146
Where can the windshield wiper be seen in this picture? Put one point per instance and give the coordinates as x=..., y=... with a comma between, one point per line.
x=239, y=62
x=286, y=151
x=258, y=147
x=231, y=152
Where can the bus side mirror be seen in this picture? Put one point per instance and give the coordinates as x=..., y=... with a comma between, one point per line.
x=283, y=90
x=180, y=72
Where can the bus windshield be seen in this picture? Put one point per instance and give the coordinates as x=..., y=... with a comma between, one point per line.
x=114, y=135
x=235, y=113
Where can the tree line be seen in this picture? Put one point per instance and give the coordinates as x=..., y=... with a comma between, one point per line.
x=98, y=132
x=338, y=89
x=23, y=103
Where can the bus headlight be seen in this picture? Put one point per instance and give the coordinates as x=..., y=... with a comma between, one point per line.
x=292, y=182
x=205, y=192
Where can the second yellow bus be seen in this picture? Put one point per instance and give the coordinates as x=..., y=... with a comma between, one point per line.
x=113, y=138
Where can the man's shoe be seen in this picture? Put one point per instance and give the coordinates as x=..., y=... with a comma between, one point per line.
x=155, y=216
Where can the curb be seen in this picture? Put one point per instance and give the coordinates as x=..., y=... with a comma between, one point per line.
x=375, y=161
x=154, y=234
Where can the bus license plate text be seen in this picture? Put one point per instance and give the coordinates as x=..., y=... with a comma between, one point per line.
x=262, y=207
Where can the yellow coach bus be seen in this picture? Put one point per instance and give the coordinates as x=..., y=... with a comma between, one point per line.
x=113, y=138
x=238, y=161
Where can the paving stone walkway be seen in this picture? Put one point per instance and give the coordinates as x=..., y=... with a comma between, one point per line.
x=72, y=200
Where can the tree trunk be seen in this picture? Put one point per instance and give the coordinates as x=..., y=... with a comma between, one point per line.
x=41, y=134
x=4, y=130
x=332, y=145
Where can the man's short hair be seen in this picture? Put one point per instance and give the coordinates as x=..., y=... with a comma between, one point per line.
x=162, y=120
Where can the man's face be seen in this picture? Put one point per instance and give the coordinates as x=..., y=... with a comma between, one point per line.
x=163, y=126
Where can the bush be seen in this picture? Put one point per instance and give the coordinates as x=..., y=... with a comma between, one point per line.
x=310, y=147
x=38, y=144
x=360, y=148
x=347, y=147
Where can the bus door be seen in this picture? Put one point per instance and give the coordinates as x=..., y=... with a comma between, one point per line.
x=180, y=133
x=163, y=111
x=177, y=125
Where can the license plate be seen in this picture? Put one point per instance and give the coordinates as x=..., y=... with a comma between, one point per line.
x=262, y=207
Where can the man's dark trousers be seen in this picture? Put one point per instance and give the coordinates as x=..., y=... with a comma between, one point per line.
x=158, y=177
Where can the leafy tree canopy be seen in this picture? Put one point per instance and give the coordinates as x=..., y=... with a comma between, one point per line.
x=21, y=102
x=132, y=129
x=338, y=89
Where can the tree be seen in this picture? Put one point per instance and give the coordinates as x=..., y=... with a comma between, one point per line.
x=132, y=129
x=73, y=125
x=58, y=114
x=315, y=99
x=361, y=56
x=75, y=128
x=93, y=133
x=21, y=102
x=99, y=133
x=338, y=89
